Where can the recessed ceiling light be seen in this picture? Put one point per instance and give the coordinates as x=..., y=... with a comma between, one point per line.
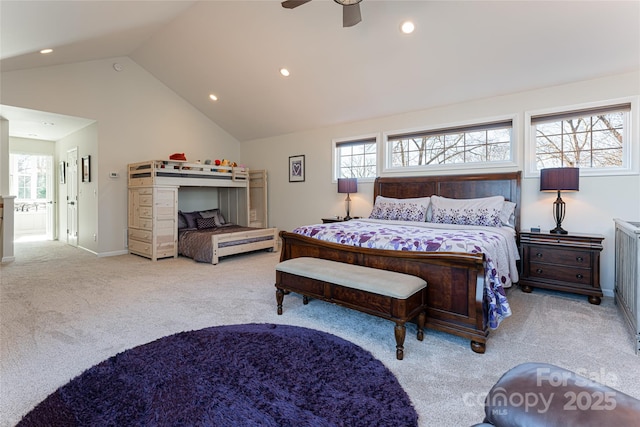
x=48, y=123
x=213, y=97
x=284, y=72
x=45, y=51
x=407, y=27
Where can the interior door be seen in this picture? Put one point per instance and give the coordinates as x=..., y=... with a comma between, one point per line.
x=72, y=197
x=51, y=194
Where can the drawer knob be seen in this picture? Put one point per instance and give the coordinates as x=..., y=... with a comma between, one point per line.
x=538, y=270
x=539, y=255
x=579, y=259
x=579, y=276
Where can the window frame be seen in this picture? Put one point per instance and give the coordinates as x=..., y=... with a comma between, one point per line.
x=335, y=159
x=512, y=163
x=630, y=147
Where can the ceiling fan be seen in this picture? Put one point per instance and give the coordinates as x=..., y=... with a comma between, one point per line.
x=350, y=10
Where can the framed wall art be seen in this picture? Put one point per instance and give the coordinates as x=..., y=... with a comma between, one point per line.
x=86, y=169
x=62, y=171
x=296, y=168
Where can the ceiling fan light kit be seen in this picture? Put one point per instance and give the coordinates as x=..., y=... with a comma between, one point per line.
x=350, y=10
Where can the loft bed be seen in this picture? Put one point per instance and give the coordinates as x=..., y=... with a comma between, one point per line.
x=456, y=294
x=154, y=216
x=180, y=173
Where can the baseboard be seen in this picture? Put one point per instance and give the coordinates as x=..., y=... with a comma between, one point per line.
x=112, y=253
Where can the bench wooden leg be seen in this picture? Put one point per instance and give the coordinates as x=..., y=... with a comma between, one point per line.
x=305, y=299
x=279, y=298
x=400, y=332
x=422, y=317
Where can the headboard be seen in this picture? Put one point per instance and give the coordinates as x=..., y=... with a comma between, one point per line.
x=453, y=186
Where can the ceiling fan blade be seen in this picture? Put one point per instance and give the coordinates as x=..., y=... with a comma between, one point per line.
x=290, y=4
x=351, y=15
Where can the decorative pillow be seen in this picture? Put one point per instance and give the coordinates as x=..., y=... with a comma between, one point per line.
x=507, y=215
x=191, y=218
x=400, y=209
x=204, y=223
x=484, y=211
x=182, y=222
x=216, y=214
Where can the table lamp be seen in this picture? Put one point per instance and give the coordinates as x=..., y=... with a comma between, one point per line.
x=559, y=179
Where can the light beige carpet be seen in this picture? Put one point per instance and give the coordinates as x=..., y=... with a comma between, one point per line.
x=62, y=310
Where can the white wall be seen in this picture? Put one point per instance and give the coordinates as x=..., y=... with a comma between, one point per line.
x=137, y=119
x=589, y=211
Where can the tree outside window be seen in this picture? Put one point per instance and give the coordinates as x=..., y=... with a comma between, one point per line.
x=481, y=143
x=588, y=139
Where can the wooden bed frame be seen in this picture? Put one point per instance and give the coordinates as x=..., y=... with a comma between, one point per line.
x=217, y=239
x=455, y=281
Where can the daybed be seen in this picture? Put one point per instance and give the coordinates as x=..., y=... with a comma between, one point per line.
x=465, y=294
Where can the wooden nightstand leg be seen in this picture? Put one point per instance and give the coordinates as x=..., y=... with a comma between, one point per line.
x=526, y=288
x=594, y=300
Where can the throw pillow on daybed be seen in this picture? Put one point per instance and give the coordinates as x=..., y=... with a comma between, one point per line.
x=204, y=223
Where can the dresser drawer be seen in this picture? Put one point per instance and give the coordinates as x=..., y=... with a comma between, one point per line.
x=581, y=276
x=568, y=257
x=141, y=248
x=146, y=199
x=143, y=235
x=145, y=212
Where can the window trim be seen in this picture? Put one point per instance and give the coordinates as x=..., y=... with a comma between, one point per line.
x=466, y=167
x=631, y=150
x=360, y=138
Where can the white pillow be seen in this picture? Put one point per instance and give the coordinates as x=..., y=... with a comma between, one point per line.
x=400, y=209
x=507, y=214
x=485, y=211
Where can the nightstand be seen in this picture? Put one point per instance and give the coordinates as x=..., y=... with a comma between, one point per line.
x=562, y=262
x=332, y=219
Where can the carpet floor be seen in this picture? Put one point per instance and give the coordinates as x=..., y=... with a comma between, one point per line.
x=62, y=311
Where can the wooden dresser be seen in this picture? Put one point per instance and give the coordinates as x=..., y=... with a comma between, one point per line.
x=562, y=262
x=153, y=215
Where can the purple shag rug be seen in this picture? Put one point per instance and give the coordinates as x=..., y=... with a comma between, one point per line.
x=238, y=375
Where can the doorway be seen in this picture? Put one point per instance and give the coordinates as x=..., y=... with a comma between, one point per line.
x=31, y=180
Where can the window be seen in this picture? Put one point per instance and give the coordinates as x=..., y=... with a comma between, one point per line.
x=356, y=158
x=476, y=144
x=29, y=180
x=595, y=139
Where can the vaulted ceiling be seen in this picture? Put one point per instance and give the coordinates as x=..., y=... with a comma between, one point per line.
x=460, y=51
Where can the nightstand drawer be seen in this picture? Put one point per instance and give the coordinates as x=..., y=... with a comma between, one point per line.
x=571, y=258
x=560, y=273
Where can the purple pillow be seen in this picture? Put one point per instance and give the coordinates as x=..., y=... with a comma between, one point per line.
x=191, y=218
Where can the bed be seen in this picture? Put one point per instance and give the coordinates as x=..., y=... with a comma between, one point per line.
x=205, y=236
x=158, y=229
x=462, y=292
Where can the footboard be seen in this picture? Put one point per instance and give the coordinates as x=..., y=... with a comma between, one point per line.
x=455, y=281
x=243, y=241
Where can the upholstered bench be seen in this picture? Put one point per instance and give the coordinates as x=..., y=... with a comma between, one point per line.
x=394, y=296
x=539, y=394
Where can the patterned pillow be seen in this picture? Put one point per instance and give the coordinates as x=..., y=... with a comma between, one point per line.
x=400, y=209
x=204, y=223
x=216, y=214
x=484, y=211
